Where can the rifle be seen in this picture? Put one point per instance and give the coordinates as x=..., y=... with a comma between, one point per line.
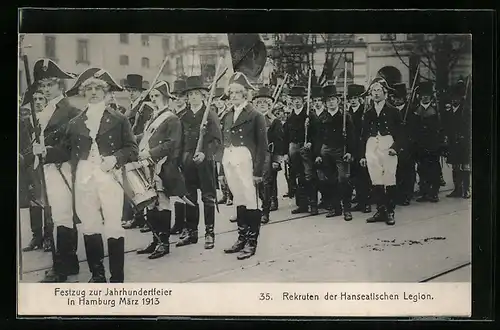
x=143, y=96
x=47, y=211
x=344, y=113
x=277, y=93
x=412, y=95
x=203, y=126
x=308, y=105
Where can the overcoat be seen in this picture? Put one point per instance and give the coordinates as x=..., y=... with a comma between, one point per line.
x=248, y=130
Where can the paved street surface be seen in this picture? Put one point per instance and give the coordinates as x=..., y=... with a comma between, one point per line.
x=426, y=240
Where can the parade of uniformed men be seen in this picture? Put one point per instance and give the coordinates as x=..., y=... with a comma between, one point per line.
x=226, y=158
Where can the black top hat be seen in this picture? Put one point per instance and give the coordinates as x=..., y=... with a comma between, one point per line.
x=179, y=87
x=425, y=88
x=297, y=91
x=46, y=68
x=399, y=90
x=134, y=81
x=219, y=92
x=457, y=90
x=354, y=90
x=164, y=88
x=194, y=83
x=264, y=92
x=95, y=73
x=316, y=91
x=330, y=90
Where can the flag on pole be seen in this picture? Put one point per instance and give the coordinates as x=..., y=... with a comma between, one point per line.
x=248, y=54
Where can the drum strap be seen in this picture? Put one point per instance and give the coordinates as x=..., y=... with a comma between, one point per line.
x=151, y=129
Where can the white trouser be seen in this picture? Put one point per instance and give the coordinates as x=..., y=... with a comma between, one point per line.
x=59, y=195
x=381, y=166
x=238, y=170
x=99, y=200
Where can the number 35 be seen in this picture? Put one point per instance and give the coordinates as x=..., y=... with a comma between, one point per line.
x=265, y=296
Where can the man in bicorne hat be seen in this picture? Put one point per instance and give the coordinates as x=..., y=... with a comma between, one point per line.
x=54, y=119
x=300, y=155
x=380, y=140
x=426, y=128
x=161, y=143
x=179, y=107
x=458, y=130
x=96, y=144
x=329, y=145
x=405, y=173
x=359, y=175
x=268, y=189
x=244, y=157
x=199, y=166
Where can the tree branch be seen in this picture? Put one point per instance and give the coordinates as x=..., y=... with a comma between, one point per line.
x=399, y=55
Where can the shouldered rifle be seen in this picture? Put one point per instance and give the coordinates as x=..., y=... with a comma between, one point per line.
x=48, y=223
x=203, y=126
x=344, y=113
x=308, y=105
x=142, y=97
x=411, y=97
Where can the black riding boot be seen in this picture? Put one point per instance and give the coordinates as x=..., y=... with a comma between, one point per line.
x=266, y=201
x=457, y=184
x=116, y=251
x=240, y=212
x=152, y=218
x=312, y=193
x=253, y=218
x=346, y=191
x=36, y=222
x=391, y=193
x=378, y=193
x=180, y=218
x=242, y=231
x=209, y=214
x=301, y=200
x=63, y=257
x=94, y=248
x=162, y=229
x=466, y=184
x=192, y=221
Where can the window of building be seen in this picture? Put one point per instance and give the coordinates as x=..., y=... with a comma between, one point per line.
x=50, y=47
x=179, y=66
x=145, y=62
x=123, y=60
x=208, y=63
x=82, y=52
x=388, y=37
x=145, y=40
x=124, y=38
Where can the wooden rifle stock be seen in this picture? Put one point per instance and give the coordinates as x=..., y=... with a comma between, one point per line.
x=308, y=106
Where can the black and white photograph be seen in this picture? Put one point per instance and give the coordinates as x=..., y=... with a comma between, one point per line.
x=245, y=158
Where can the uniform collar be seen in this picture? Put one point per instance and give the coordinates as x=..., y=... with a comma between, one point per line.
x=333, y=112
x=379, y=106
x=195, y=110
x=240, y=107
x=354, y=109
x=425, y=106
x=455, y=108
x=401, y=107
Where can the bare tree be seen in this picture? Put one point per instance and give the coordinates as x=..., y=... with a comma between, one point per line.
x=438, y=53
x=335, y=46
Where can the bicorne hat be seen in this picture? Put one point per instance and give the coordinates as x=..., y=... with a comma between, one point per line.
x=354, y=90
x=264, y=92
x=134, y=81
x=94, y=73
x=164, y=88
x=400, y=90
x=46, y=68
x=381, y=81
x=241, y=79
x=194, y=83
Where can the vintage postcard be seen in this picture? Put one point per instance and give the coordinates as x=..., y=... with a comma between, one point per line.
x=271, y=174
